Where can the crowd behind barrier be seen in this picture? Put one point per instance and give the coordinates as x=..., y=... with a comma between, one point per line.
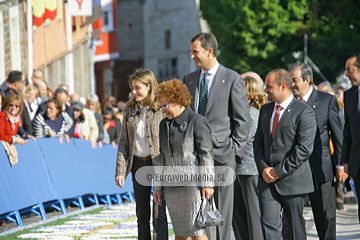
x=48, y=171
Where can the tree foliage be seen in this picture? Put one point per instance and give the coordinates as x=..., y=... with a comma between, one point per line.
x=260, y=35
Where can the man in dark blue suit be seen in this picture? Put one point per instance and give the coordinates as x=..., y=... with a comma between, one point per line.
x=283, y=144
x=328, y=127
x=13, y=81
x=351, y=143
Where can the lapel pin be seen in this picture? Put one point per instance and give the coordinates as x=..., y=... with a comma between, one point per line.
x=223, y=81
x=313, y=106
x=288, y=110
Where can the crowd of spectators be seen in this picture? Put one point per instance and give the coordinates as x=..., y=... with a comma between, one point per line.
x=34, y=110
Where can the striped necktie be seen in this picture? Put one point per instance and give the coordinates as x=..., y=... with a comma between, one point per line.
x=276, y=121
x=203, y=94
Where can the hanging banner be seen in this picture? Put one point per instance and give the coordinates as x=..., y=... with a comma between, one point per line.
x=80, y=7
x=43, y=9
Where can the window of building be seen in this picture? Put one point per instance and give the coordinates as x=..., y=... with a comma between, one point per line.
x=106, y=19
x=97, y=37
x=167, y=39
x=167, y=69
x=107, y=15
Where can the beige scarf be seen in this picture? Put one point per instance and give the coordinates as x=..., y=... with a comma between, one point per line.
x=11, y=152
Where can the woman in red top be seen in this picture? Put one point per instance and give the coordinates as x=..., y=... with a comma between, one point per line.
x=10, y=119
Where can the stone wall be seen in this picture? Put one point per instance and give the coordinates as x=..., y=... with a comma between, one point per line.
x=12, y=44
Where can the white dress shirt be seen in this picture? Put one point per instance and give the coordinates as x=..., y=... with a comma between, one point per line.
x=284, y=105
x=307, y=95
x=210, y=77
x=142, y=148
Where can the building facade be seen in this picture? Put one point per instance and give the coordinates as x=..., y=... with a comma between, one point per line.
x=154, y=34
x=52, y=52
x=105, y=41
x=12, y=42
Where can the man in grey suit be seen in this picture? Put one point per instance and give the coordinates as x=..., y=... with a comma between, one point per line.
x=328, y=123
x=283, y=144
x=219, y=94
x=351, y=143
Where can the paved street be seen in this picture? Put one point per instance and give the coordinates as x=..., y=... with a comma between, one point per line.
x=347, y=223
x=348, y=226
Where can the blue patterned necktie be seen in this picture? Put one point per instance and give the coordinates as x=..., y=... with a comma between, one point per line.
x=203, y=94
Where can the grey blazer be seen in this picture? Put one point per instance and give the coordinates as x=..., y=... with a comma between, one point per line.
x=290, y=150
x=351, y=143
x=248, y=165
x=227, y=111
x=186, y=141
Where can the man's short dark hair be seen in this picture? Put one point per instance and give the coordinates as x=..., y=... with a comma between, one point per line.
x=60, y=90
x=14, y=76
x=306, y=71
x=357, y=60
x=281, y=76
x=207, y=40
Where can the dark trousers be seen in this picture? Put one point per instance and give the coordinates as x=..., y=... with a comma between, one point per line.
x=357, y=188
x=143, y=210
x=323, y=206
x=224, y=199
x=271, y=204
x=246, y=218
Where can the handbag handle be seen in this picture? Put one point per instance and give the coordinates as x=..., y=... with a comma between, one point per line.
x=212, y=203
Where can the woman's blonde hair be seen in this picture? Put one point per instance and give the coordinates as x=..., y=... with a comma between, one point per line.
x=255, y=92
x=31, y=87
x=147, y=77
x=10, y=99
x=174, y=91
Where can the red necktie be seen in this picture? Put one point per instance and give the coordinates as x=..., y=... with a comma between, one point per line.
x=302, y=100
x=276, y=120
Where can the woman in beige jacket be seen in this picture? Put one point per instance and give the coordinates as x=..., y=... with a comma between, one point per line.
x=139, y=147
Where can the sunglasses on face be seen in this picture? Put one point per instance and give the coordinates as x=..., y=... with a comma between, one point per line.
x=165, y=106
x=14, y=105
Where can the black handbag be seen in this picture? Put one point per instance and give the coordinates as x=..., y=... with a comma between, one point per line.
x=209, y=218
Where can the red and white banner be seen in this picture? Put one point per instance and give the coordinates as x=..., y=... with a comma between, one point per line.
x=42, y=9
x=80, y=7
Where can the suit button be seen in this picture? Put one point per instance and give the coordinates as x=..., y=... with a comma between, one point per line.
x=149, y=145
x=148, y=136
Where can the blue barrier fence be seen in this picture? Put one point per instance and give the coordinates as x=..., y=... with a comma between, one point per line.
x=57, y=174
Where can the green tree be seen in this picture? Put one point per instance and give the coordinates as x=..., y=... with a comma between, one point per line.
x=260, y=35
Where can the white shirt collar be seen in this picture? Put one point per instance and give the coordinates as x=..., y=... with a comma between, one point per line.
x=212, y=71
x=307, y=95
x=285, y=103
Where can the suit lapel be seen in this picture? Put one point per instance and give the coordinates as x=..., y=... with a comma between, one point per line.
x=218, y=81
x=313, y=100
x=194, y=89
x=267, y=121
x=283, y=118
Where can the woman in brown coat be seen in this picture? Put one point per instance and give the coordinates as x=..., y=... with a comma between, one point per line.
x=139, y=147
